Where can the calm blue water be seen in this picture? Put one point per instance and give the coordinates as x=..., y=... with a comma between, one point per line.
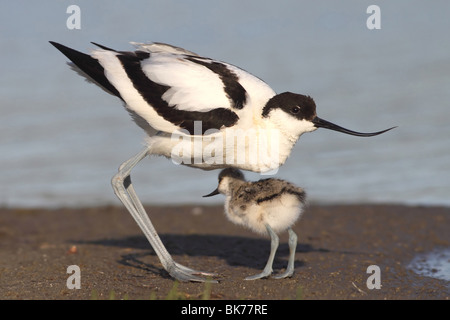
x=435, y=264
x=61, y=139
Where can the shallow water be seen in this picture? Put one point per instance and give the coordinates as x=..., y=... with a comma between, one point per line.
x=435, y=264
x=61, y=139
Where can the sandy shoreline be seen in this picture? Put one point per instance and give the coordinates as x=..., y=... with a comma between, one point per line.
x=336, y=244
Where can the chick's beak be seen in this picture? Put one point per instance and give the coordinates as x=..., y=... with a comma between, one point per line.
x=215, y=192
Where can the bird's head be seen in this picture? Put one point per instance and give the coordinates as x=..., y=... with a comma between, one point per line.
x=295, y=114
x=226, y=176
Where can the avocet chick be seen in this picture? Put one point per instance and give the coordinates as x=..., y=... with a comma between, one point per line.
x=267, y=206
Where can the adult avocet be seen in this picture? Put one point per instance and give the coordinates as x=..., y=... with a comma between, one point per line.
x=200, y=112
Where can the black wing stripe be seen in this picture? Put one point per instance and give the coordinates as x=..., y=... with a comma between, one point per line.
x=234, y=90
x=90, y=66
x=139, y=53
x=299, y=194
x=103, y=47
x=152, y=93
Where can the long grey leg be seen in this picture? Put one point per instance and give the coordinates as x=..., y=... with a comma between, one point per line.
x=124, y=190
x=273, y=249
x=292, y=247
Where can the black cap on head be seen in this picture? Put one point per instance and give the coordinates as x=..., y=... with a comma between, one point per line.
x=232, y=173
x=297, y=105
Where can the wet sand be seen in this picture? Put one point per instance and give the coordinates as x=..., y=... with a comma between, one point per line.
x=336, y=244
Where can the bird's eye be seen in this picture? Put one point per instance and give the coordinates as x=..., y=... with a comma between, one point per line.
x=295, y=110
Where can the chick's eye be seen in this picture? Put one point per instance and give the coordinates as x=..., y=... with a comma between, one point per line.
x=295, y=110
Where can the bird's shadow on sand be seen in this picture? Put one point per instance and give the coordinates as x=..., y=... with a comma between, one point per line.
x=235, y=250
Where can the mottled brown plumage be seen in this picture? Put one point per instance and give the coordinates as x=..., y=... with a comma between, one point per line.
x=268, y=206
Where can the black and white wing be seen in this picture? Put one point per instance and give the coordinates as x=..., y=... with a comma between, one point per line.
x=169, y=88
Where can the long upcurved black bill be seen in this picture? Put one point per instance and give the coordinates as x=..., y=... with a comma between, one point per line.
x=212, y=193
x=320, y=123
